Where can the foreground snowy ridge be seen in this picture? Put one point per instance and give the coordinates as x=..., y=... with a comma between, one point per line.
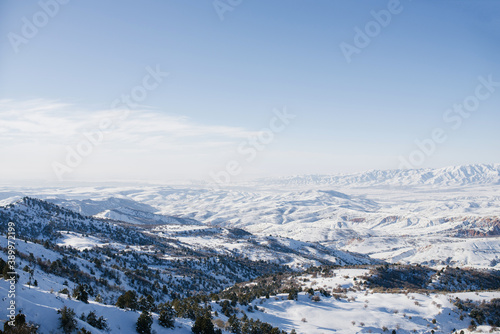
x=333, y=301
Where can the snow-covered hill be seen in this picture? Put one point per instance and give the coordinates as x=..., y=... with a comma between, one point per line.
x=121, y=209
x=46, y=221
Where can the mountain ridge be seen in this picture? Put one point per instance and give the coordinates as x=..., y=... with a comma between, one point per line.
x=473, y=174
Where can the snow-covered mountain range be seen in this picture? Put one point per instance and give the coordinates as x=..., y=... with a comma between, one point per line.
x=477, y=174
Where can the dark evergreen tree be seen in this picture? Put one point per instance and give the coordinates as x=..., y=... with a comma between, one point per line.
x=234, y=324
x=97, y=322
x=203, y=325
x=127, y=300
x=150, y=300
x=293, y=294
x=144, y=322
x=67, y=321
x=146, y=304
x=167, y=317
x=80, y=293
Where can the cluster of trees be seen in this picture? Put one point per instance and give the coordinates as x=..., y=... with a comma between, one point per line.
x=130, y=300
x=268, y=286
x=265, y=286
x=483, y=312
x=464, y=279
x=68, y=323
x=196, y=308
x=191, y=307
x=246, y=325
x=399, y=277
x=203, y=325
x=421, y=278
x=166, y=319
x=20, y=326
x=93, y=320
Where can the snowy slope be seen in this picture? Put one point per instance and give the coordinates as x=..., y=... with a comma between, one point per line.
x=353, y=310
x=364, y=312
x=40, y=306
x=338, y=301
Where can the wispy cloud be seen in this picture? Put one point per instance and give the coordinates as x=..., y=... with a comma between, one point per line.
x=37, y=119
x=49, y=121
x=145, y=143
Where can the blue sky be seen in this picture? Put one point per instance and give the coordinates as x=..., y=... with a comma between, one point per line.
x=225, y=78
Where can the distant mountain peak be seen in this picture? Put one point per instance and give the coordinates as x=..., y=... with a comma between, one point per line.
x=474, y=174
